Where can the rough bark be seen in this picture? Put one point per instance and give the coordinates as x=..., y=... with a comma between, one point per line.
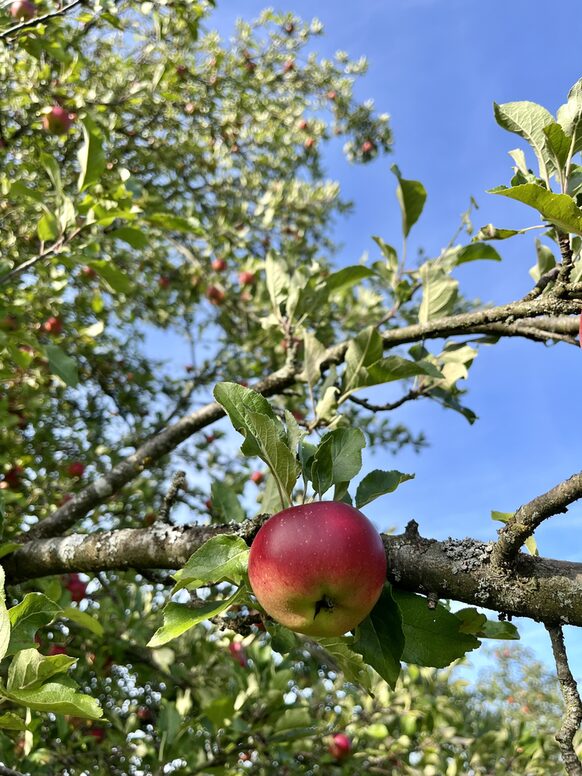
x=540, y=588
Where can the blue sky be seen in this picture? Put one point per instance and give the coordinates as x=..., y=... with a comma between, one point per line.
x=436, y=67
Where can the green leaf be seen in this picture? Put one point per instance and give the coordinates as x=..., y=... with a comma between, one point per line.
x=11, y=721
x=439, y=292
x=570, y=116
x=179, y=618
x=527, y=119
x=58, y=697
x=477, y=251
x=363, y=350
x=134, y=237
x=380, y=639
x=33, y=612
x=490, y=232
x=558, y=209
x=347, y=277
x=62, y=365
x=391, y=368
x=91, y=156
x=51, y=166
x=545, y=261
x=48, y=227
x=388, y=252
x=377, y=483
x=28, y=669
x=174, y=223
x=222, y=558
x=117, y=280
x=84, y=619
x=433, y=637
x=338, y=458
x=411, y=197
x=277, y=280
x=238, y=401
x=477, y=624
x=283, y=640
x=314, y=355
x=558, y=145
x=350, y=663
x=225, y=503
x=4, y=618
x=505, y=517
x=19, y=189
x=265, y=436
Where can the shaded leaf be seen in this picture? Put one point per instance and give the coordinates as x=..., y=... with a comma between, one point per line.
x=377, y=483
x=338, y=458
x=380, y=639
x=62, y=365
x=558, y=209
x=222, y=558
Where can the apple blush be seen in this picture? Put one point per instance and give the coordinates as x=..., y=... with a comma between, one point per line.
x=318, y=568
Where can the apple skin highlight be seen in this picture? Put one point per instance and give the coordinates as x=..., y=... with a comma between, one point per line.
x=318, y=568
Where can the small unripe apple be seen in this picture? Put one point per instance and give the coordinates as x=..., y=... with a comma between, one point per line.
x=340, y=746
x=23, y=10
x=215, y=295
x=52, y=325
x=13, y=477
x=76, y=469
x=218, y=264
x=318, y=568
x=257, y=477
x=57, y=120
x=246, y=278
x=164, y=281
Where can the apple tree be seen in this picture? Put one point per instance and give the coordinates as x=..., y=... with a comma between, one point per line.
x=159, y=184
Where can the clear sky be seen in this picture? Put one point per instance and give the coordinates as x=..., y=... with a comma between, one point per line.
x=436, y=66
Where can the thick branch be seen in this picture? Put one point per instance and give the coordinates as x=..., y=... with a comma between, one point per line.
x=168, y=439
x=542, y=589
x=529, y=516
x=573, y=706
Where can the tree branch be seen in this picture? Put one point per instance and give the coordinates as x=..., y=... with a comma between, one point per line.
x=540, y=588
x=481, y=321
x=4, y=771
x=529, y=516
x=573, y=706
x=16, y=28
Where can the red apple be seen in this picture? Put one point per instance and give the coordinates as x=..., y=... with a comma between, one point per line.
x=289, y=28
x=76, y=469
x=218, y=264
x=97, y=732
x=367, y=147
x=57, y=649
x=164, y=281
x=88, y=272
x=76, y=587
x=340, y=746
x=246, y=278
x=208, y=504
x=13, y=477
x=318, y=568
x=331, y=95
x=215, y=295
x=309, y=142
x=189, y=108
x=302, y=124
x=257, y=477
x=289, y=66
x=57, y=120
x=181, y=71
x=23, y=10
x=53, y=325
x=150, y=518
x=237, y=652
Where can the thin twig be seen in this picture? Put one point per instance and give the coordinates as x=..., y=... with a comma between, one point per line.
x=178, y=483
x=414, y=393
x=572, y=704
x=55, y=248
x=38, y=20
x=5, y=771
x=567, y=257
x=529, y=516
